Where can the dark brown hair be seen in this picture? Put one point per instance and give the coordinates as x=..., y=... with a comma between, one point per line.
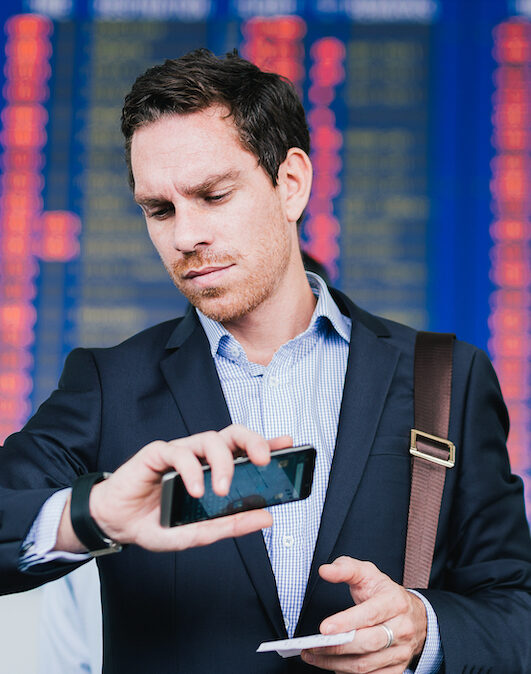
x=265, y=108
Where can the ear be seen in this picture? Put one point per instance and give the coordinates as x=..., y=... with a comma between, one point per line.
x=295, y=182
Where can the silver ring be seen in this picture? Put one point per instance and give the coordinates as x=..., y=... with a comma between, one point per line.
x=390, y=635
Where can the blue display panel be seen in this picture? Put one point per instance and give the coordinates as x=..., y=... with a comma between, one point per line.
x=420, y=115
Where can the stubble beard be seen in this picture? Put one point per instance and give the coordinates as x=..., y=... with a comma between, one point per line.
x=226, y=304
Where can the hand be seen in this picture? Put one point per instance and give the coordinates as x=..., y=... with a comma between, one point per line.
x=126, y=506
x=379, y=600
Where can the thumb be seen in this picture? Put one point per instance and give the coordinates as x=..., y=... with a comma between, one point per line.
x=363, y=578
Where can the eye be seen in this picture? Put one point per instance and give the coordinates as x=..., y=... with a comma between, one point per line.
x=159, y=213
x=216, y=198
x=162, y=213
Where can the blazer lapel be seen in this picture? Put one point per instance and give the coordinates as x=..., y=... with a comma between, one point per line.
x=192, y=377
x=370, y=369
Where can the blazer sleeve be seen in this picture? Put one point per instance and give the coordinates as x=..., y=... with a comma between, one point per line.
x=59, y=443
x=484, y=604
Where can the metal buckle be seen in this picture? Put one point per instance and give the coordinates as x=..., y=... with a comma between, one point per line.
x=447, y=463
x=113, y=547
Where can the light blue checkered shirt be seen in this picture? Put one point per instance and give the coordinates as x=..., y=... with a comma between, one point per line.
x=298, y=394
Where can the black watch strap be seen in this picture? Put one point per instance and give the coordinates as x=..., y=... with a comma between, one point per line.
x=84, y=525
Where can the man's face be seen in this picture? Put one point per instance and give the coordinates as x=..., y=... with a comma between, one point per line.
x=212, y=213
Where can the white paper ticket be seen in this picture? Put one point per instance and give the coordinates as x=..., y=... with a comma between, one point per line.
x=287, y=648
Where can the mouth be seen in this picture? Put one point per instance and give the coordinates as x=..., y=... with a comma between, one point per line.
x=193, y=273
x=207, y=274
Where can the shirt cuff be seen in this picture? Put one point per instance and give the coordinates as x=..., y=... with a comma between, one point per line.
x=432, y=656
x=41, y=538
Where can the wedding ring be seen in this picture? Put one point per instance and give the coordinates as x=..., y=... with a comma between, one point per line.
x=390, y=635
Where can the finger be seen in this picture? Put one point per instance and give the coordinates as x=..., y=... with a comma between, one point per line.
x=205, y=533
x=368, y=640
x=253, y=444
x=380, y=608
x=219, y=456
x=211, y=446
x=389, y=661
x=280, y=442
x=187, y=464
x=352, y=571
x=364, y=578
x=235, y=526
x=182, y=455
x=147, y=465
x=373, y=639
x=384, y=662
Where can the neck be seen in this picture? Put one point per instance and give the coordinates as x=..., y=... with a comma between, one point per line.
x=283, y=316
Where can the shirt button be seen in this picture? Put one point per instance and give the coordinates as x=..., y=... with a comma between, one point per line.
x=288, y=540
x=274, y=381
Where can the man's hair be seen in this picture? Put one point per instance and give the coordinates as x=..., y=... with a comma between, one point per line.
x=265, y=108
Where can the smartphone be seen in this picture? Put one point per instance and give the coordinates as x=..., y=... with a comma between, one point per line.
x=287, y=477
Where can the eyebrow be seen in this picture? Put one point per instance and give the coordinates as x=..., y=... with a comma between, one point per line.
x=205, y=186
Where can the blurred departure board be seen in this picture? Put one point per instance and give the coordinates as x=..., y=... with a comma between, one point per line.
x=420, y=118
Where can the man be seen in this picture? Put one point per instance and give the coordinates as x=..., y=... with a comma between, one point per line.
x=218, y=157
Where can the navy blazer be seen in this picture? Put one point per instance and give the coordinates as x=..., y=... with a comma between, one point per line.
x=207, y=609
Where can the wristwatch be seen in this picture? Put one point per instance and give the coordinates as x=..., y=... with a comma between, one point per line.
x=84, y=525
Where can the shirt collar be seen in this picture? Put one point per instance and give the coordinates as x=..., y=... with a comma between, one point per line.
x=325, y=309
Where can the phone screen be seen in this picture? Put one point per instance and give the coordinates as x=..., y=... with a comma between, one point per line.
x=287, y=477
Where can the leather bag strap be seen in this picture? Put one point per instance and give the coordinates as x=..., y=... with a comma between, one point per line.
x=432, y=453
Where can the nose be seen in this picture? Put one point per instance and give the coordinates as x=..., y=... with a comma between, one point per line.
x=191, y=229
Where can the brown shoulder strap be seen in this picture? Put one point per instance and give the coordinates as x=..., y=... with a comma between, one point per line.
x=432, y=452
